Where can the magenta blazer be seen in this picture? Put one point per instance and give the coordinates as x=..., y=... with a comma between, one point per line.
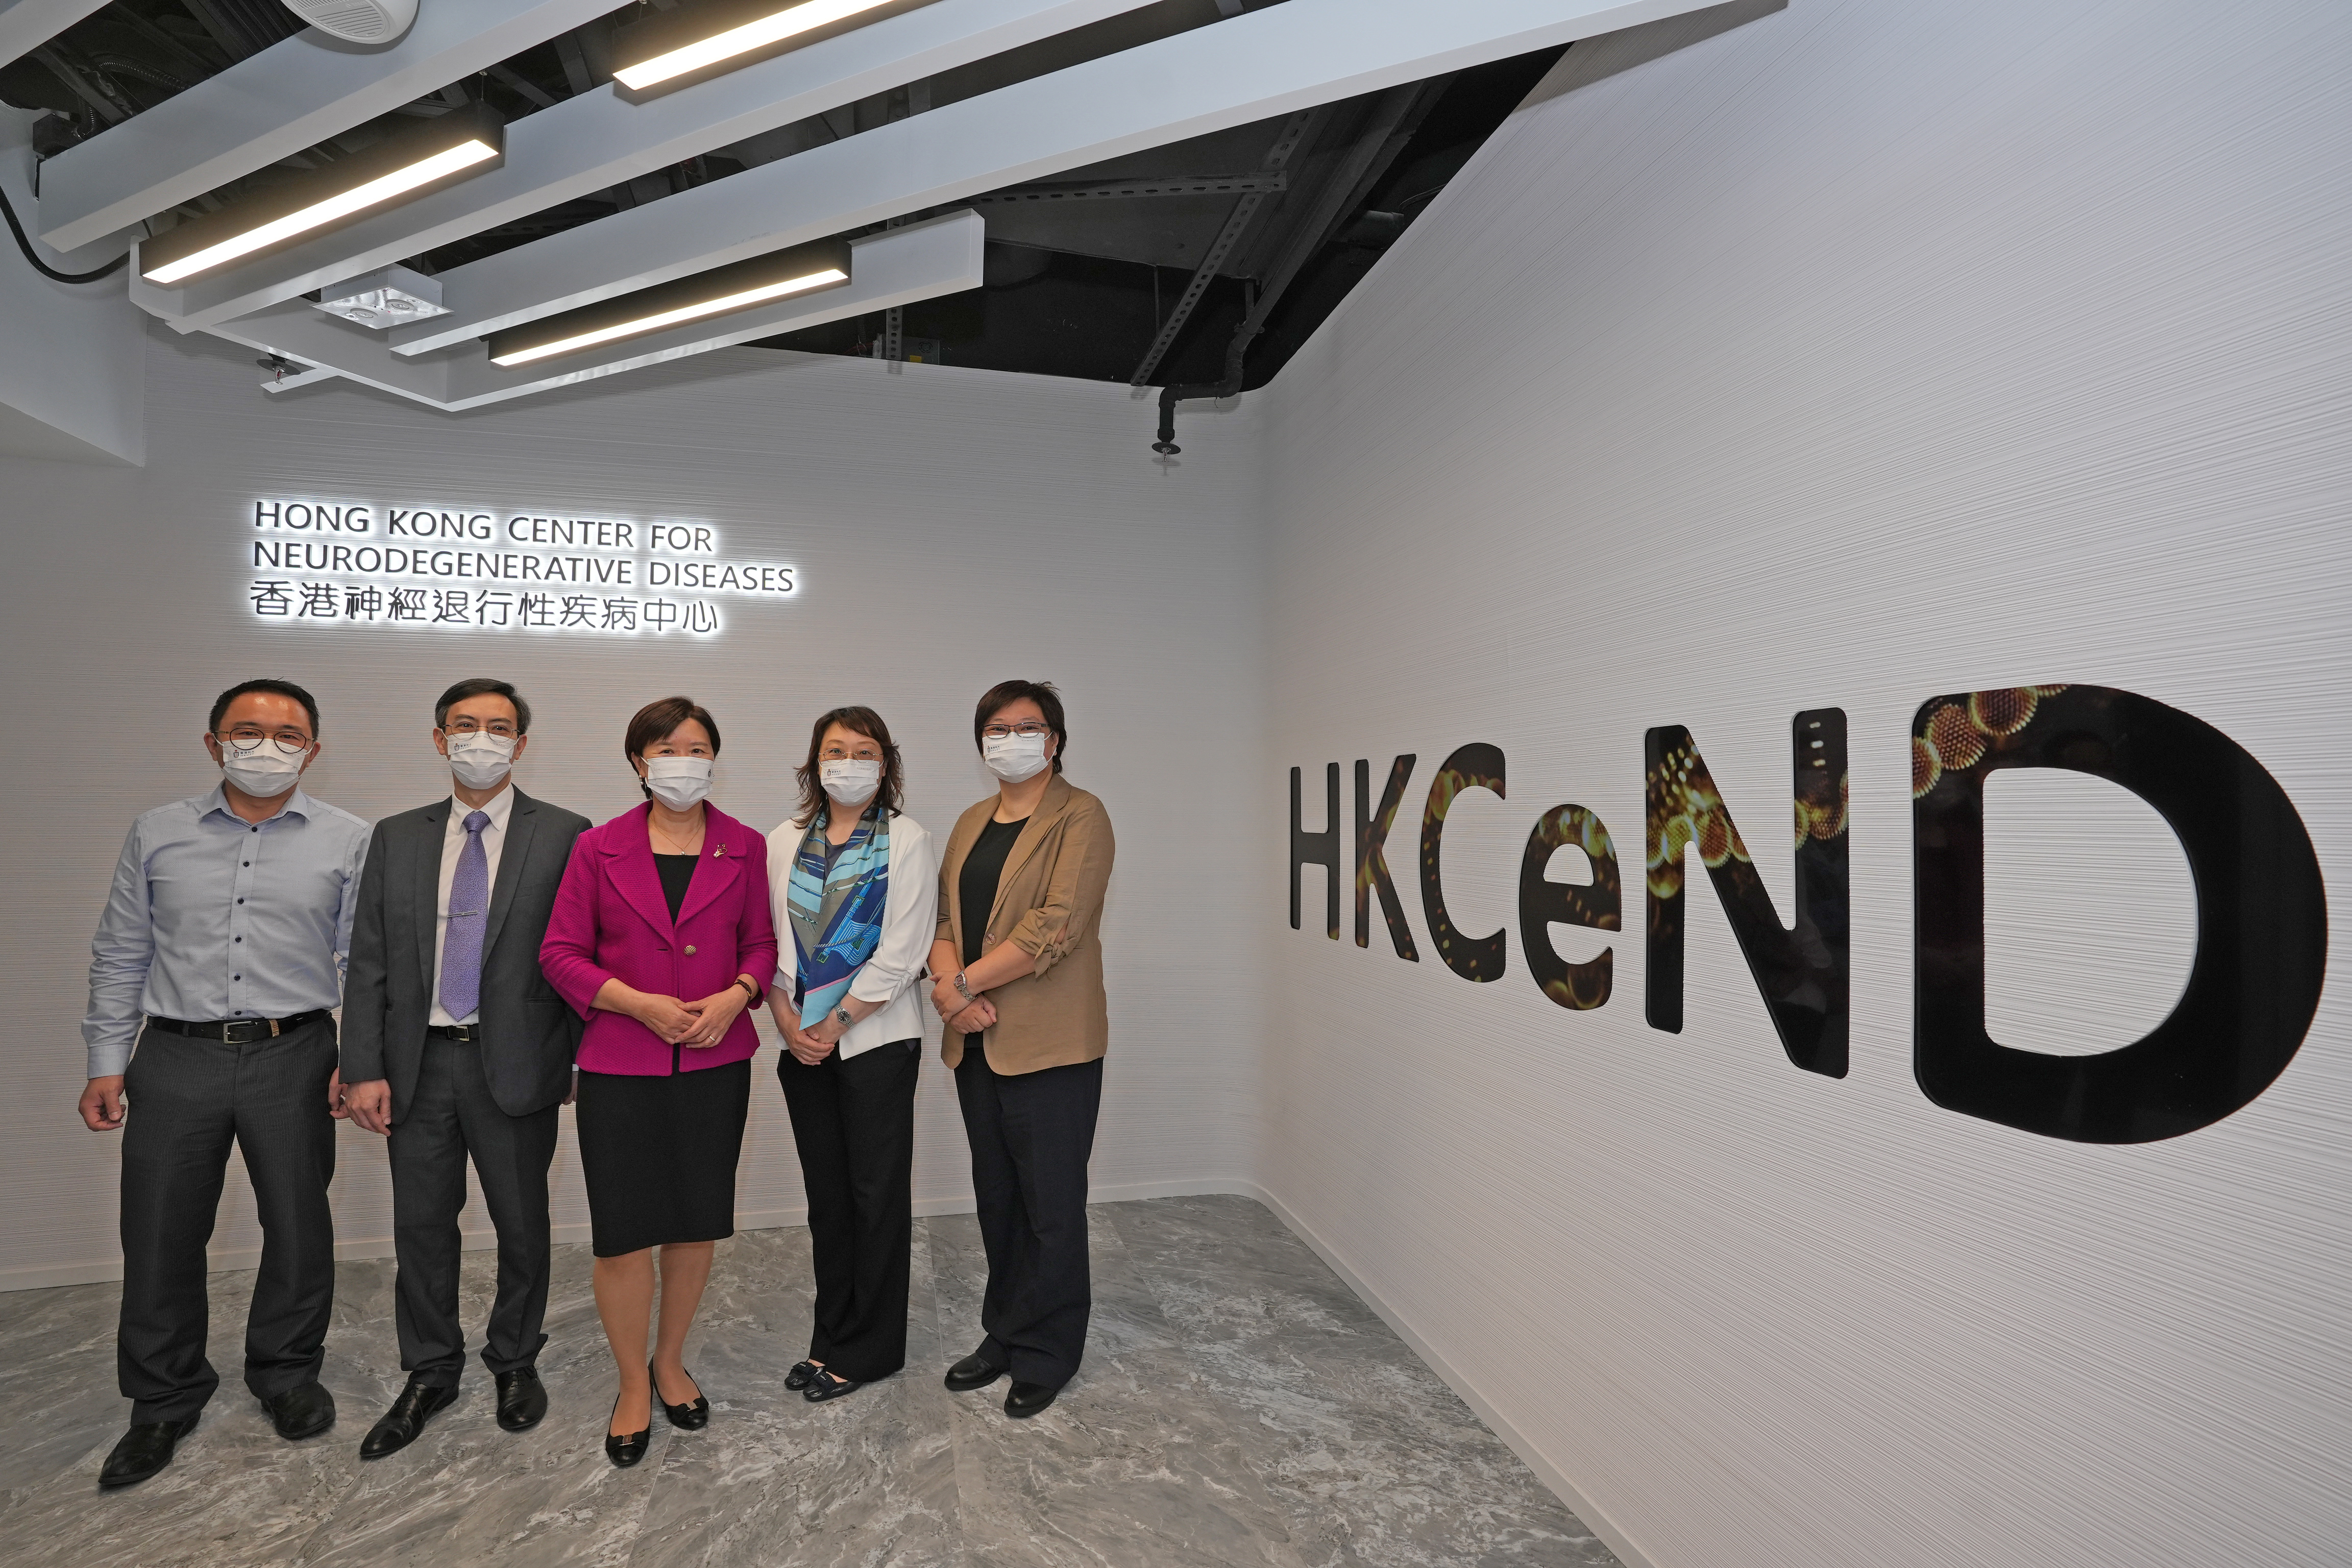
x=611, y=922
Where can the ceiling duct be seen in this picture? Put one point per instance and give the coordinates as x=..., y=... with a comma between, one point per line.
x=357, y=21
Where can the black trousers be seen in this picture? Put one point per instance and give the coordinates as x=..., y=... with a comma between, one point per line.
x=452, y=1115
x=853, y=1122
x=1032, y=1134
x=190, y=1100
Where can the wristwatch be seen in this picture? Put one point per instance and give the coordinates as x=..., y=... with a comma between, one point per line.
x=846, y=1021
x=961, y=989
x=749, y=990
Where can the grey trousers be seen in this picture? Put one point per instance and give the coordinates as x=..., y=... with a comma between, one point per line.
x=189, y=1101
x=451, y=1116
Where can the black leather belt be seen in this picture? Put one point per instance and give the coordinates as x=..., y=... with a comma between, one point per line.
x=464, y=1034
x=238, y=1031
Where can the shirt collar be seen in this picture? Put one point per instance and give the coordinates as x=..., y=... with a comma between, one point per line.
x=295, y=804
x=501, y=806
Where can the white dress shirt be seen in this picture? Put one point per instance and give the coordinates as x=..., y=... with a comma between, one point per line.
x=453, y=844
x=213, y=918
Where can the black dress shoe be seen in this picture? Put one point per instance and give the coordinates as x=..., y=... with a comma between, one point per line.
x=804, y=1372
x=397, y=1427
x=627, y=1448
x=1023, y=1400
x=522, y=1399
x=692, y=1417
x=143, y=1451
x=975, y=1371
x=301, y=1412
x=824, y=1387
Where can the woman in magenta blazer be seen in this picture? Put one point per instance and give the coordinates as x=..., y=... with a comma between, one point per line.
x=662, y=937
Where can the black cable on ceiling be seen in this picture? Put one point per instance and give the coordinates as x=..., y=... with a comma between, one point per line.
x=25, y=244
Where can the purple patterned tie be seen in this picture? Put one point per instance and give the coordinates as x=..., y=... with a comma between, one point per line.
x=469, y=910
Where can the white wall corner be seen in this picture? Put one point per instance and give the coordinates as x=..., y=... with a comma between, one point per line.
x=73, y=356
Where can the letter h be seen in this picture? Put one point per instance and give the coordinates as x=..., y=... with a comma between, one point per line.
x=1317, y=850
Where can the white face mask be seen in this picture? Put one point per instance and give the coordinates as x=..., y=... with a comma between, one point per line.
x=1014, y=757
x=266, y=772
x=479, y=759
x=678, y=782
x=850, y=780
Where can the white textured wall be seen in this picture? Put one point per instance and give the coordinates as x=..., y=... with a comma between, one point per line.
x=1866, y=352
x=954, y=528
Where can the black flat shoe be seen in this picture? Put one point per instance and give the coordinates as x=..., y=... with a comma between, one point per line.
x=804, y=1372
x=399, y=1427
x=975, y=1371
x=1023, y=1400
x=824, y=1387
x=142, y=1451
x=626, y=1448
x=301, y=1412
x=688, y=1417
x=522, y=1399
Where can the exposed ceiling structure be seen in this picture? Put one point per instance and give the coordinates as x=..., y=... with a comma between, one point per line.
x=1169, y=194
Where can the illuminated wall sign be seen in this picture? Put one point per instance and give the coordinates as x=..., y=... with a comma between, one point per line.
x=2262, y=911
x=321, y=565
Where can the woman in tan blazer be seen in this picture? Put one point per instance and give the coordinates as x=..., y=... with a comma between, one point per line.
x=1019, y=981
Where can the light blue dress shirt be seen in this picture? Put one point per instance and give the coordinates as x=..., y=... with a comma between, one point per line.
x=212, y=917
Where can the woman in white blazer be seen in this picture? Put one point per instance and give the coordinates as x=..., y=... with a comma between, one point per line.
x=856, y=888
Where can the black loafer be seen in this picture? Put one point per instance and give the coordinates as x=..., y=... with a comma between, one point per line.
x=522, y=1399
x=804, y=1372
x=397, y=1427
x=692, y=1417
x=1023, y=1400
x=975, y=1371
x=301, y=1412
x=824, y=1387
x=143, y=1451
x=626, y=1448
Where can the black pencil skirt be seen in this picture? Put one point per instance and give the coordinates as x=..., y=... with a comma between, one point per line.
x=658, y=1155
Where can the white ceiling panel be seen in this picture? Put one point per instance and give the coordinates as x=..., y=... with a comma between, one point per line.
x=27, y=25
x=598, y=139
x=896, y=267
x=292, y=95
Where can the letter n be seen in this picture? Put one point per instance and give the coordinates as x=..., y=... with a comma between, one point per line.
x=2261, y=916
x=1371, y=856
x=1802, y=971
x=1317, y=850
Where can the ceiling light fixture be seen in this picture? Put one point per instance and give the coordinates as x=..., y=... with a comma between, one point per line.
x=671, y=49
x=803, y=269
x=403, y=165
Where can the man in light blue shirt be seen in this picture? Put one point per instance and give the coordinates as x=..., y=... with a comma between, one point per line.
x=226, y=932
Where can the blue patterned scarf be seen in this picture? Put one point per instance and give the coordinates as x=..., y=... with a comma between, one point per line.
x=836, y=919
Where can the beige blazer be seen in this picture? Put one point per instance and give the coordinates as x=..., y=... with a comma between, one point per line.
x=1049, y=904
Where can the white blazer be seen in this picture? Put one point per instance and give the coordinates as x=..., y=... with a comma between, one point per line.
x=909, y=923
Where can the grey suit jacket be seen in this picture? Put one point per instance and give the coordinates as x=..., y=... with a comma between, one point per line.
x=529, y=1036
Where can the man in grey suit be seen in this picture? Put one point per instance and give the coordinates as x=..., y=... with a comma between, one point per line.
x=454, y=1043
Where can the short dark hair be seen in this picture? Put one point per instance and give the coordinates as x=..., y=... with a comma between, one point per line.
x=868, y=724
x=1005, y=693
x=482, y=686
x=655, y=720
x=275, y=689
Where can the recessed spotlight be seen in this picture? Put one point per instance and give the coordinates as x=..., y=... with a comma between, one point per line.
x=403, y=165
x=673, y=48
x=803, y=269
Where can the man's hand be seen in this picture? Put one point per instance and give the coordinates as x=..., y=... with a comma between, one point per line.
x=101, y=1104
x=335, y=1106
x=369, y=1105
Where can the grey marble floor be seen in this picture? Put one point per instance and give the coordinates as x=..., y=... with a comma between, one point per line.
x=1238, y=1405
